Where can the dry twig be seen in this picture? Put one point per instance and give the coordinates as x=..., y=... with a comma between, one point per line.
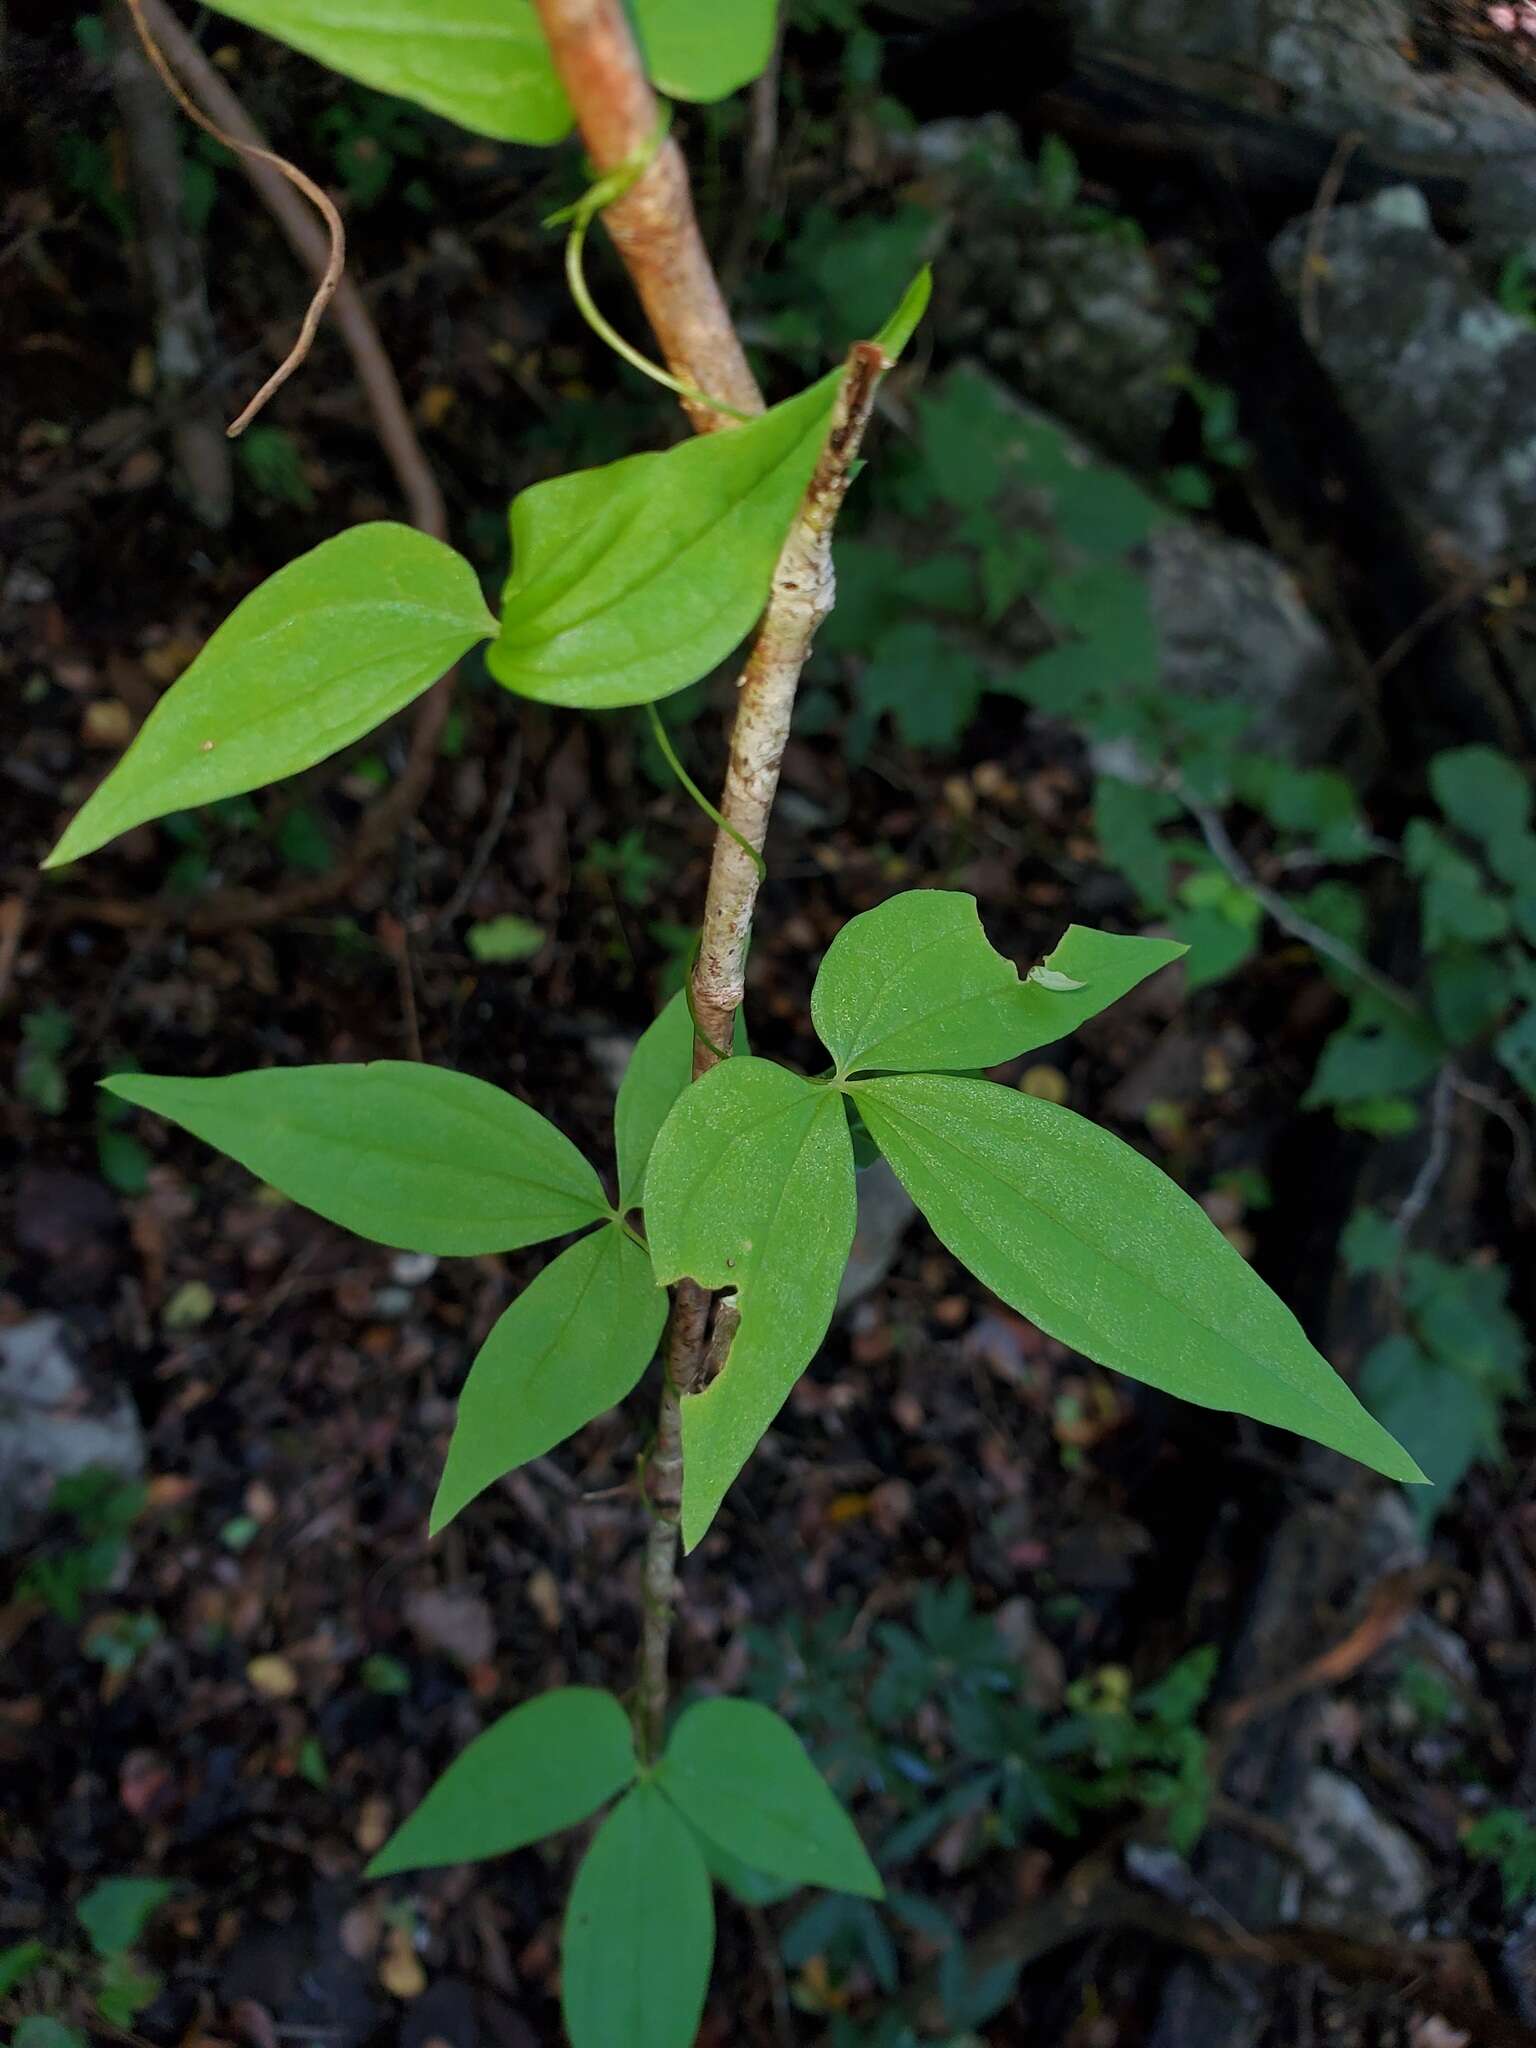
x=251, y=153
x=236, y=910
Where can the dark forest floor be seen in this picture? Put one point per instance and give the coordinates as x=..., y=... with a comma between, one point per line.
x=314, y=1661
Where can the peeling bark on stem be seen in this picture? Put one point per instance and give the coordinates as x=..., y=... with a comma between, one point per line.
x=801, y=597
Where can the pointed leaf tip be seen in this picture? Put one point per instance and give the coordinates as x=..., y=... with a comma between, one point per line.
x=541, y=1768
x=410, y=1155
x=573, y=1344
x=318, y=655
x=743, y=1777
x=1104, y=1252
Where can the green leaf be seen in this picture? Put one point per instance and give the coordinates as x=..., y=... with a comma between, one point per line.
x=1516, y=1047
x=1483, y=792
x=1217, y=944
x=115, y=1913
x=631, y=581
x=38, y=2031
x=320, y=654
x=913, y=985
x=697, y=50
x=1105, y=965
x=1470, y=992
x=502, y=939
x=1100, y=1249
x=1127, y=816
x=741, y=1775
x=639, y=1931
x=482, y=63
x=573, y=1344
x=1456, y=907
x=747, y=1886
x=1390, y=1054
x=930, y=687
x=543, y=1767
x=124, y=1989
x=1444, y=1417
x=751, y=1188
x=17, y=1962
x=409, y=1155
x=660, y=1068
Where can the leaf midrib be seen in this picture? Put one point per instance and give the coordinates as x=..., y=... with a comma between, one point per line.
x=1031, y=1202
x=647, y=574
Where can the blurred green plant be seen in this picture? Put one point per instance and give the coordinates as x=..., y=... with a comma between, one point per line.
x=924, y=1722
x=1506, y=1838
x=93, y=1512
x=370, y=135
x=274, y=467
x=113, y=1916
x=1439, y=1382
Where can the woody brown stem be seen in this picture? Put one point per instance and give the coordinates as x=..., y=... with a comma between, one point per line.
x=800, y=598
x=653, y=226
x=682, y=1351
x=655, y=232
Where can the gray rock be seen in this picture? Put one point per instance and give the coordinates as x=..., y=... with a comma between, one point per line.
x=1233, y=626
x=1073, y=313
x=1440, y=380
x=1363, y=1874
x=1342, y=64
x=50, y=1427
x=885, y=1210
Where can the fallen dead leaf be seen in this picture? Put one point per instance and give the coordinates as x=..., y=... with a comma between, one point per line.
x=400, y=1968
x=107, y=723
x=456, y=1622
x=359, y=1932
x=373, y=1824
x=273, y=1677
x=544, y=1597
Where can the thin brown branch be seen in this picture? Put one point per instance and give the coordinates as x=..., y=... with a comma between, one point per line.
x=1442, y=1978
x=186, y=345
x=252, y=153
x=1313, y=263
x=682, y=1348
x=653, y=226
x=236, y=910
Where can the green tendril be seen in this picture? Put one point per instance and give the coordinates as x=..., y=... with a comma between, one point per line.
x=721, y=824
x=581, y=214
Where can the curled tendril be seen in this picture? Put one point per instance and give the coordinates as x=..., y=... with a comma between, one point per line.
x=581, y=214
